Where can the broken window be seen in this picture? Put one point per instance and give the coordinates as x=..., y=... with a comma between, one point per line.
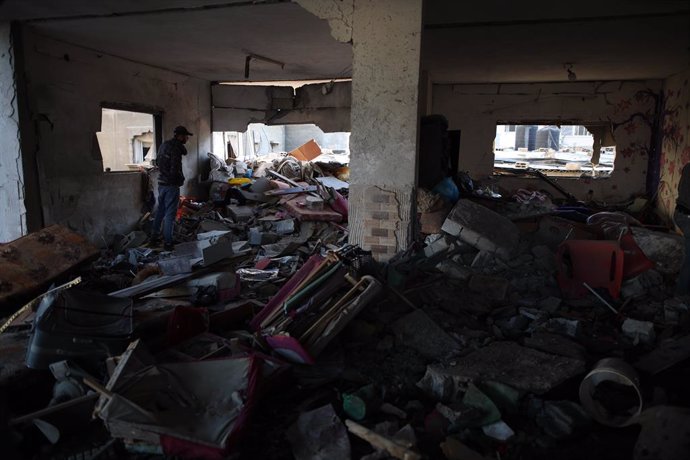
x=555, y=150
x=127, y=139
x=262, y=140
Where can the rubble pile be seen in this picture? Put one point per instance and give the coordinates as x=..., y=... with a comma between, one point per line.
x=515, y=330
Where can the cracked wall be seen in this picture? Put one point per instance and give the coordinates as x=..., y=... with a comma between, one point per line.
x=475, y=109
x=66, y=86
x=383, y=144
x=12, y=212
x=386, y=40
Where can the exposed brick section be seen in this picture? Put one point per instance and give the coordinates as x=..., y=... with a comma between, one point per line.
x=380, y=215
x=381, y=198
x=382, y=224
x=379, y=232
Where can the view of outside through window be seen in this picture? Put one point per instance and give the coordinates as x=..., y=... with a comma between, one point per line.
x=261, y=140
x=564, y=150
x=126, y=139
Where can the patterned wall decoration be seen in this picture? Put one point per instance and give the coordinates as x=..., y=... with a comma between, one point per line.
x=675, y=151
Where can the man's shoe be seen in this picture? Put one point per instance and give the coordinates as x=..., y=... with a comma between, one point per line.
x=168, y=247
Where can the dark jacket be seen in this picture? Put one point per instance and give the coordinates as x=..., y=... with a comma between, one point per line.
x=169, y=161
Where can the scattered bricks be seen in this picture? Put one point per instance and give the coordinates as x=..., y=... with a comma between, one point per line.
x=639, y=331
x=492, y=287
x=482, y=228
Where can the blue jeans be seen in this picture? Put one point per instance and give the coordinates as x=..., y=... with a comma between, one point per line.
x=168, y=198
x=682, y=220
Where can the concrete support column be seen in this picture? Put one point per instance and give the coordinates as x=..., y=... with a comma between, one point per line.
x=386, y=38
x=12, y=210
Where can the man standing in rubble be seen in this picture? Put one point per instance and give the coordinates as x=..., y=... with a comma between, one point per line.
x=170, y=179
x=682, y=219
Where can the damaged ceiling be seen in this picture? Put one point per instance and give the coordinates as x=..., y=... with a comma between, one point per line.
x=213, y=42
x=491, y=42
x=503, y=42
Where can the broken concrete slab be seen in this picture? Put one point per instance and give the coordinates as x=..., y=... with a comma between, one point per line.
x=492, y=287
x=454, y=270
x=482, y=228
x=664, y=249
x=641, y=284
x=319, y=435
x=639, y=331
x=240, y=213
x=556, y=344
x=506, y=362
x=419, y=332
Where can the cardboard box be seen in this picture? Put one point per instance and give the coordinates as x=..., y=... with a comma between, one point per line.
x=307, y=151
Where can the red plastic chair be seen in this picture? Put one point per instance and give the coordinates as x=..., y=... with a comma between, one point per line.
x=597, y=263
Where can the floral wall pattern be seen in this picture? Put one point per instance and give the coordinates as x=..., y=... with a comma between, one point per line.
x=675, y=151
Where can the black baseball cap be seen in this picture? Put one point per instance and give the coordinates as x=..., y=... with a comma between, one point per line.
x=182, y=130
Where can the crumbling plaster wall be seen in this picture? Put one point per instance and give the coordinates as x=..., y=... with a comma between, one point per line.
x=12, y=211
x=475, y=109
x=386, y=39
x=66, y=87
x=675, y=149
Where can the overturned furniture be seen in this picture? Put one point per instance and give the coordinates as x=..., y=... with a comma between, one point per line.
x=189, y=409
x=316, y=304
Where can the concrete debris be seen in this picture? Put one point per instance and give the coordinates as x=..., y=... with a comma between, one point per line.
x=492, y=287
x=556, y=344
x=416, y=330
x=499, y=431
x=641, y=285
x=661, y=248
x=522, y=368
x=454, y=270
x=319, y=435
x=482, y=228
x=263, y=292
x=454, y=449
x=562, y=419
x=639, y=331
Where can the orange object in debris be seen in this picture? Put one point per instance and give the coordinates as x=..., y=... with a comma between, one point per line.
x=636, y=261
x=307, y=151
x=599, y=264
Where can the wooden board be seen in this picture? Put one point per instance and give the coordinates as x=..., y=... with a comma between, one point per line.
x=29, y=264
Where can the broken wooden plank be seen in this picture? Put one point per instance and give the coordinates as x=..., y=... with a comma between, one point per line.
x=381, y=442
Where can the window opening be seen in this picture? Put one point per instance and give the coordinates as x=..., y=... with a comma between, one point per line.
x=127, y=139
x=562, y=151
x=260, y=140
